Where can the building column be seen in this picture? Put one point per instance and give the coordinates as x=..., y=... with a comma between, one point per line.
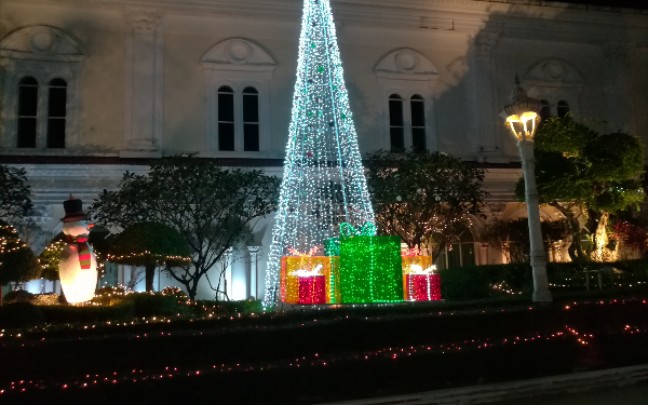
x=143, y=85
x=614, y=86
x=254, y=271
x=484, y=126
x=228, y=272
x=482, y=249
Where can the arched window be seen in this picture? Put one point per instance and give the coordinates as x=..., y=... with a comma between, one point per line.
x=250, y=119
x=27, y=112
x=406, y=78
x=396, y=124
x=459, y=251
x=56, y=113
x=41, y=91
x=417, y=107
x=545, y=112
x=238, y=73
x=225, y=118
x=558, y=86
x=562, y=109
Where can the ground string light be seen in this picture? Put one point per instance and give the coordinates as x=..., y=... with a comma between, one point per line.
x=395, y=353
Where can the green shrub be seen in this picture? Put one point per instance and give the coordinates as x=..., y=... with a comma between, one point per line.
x=20, y=314
x=176, y=292
x=109, y=295
x=243, y=307
x=614, y=274
x=477, y=282
x=147, y=304
x=569, y=275
x=18, y=296
x=47, y=299
x=84, y=314
x=635, y=269
x=464, y=283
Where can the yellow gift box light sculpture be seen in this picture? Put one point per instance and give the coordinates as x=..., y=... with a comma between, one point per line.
x=307, y=279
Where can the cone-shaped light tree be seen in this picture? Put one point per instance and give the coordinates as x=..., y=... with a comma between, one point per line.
x=323, y=182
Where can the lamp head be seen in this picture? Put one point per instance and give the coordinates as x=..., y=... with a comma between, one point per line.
x=522, y=116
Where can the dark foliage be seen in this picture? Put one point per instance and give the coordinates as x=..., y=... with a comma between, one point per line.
x=423, y=196
x=211, y=207
x=15, y=198
x=17, y=261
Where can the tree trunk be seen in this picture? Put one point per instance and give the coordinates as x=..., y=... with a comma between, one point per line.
x=192, y=286
x=575, y=249
x=149, y=269
x=601, y=238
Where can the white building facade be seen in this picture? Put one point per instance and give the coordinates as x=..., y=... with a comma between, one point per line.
x=91, y=89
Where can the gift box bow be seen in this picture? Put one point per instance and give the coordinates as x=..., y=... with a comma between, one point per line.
x=347, y=230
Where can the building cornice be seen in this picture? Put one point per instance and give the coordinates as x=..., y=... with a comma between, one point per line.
x=110, y=160
x=435, y=14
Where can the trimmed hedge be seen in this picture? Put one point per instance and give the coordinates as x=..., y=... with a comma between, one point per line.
x=122, y=308
x=20, y=314
x=244, y=307
x=475, y=282
x=145, y=304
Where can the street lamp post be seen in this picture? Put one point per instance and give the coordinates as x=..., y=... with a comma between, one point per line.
x=522, y=118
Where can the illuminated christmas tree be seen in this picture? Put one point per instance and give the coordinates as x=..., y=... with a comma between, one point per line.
x=323, y=183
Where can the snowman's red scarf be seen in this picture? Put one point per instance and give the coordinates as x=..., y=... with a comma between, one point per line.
x=85, y=256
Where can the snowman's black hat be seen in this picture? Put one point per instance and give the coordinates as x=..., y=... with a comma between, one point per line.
x=73, y=210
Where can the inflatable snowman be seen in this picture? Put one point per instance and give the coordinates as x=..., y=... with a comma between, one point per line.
x=77, y=265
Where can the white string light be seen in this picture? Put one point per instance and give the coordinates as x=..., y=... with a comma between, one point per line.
x=323, y=182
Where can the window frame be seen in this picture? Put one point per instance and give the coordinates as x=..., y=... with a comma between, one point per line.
x=407, y=72
x=55, y=116
x=24, y=85
x=566, y=87
x=238, y=63
x=250, y=124
x=238, y=122
x=61, y=59
x=407, y=126
x=229, y=122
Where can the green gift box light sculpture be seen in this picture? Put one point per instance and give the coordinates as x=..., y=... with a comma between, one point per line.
x=370, y=266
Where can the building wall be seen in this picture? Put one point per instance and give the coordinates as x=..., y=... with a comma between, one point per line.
x=145, y=72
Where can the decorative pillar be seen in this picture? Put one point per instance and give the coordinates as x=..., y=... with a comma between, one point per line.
x=615, y=86
x=482, y=256
x=484, y=125
x=144, y=80
x=254, y=272
x=228, y=272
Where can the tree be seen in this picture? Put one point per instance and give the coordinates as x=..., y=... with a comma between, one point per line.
x=149, y=244
x=212, y=208
x=15, y=201
x=17, y=261
x=323, y=184
x=422, y=195
x=512, y=237
x=587, y=177
x=50, y=257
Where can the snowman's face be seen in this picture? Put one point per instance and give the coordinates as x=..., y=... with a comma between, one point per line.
x=76, y=228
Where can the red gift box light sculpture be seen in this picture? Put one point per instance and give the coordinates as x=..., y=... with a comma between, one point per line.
x=420, y=283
